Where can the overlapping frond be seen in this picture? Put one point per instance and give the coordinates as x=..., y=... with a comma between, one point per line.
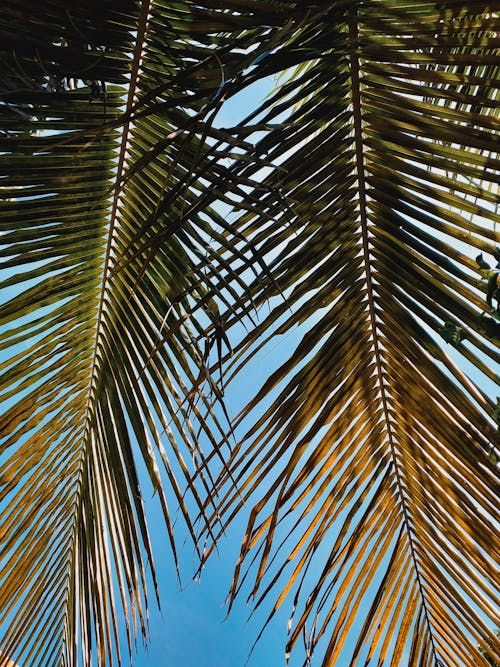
x=361, y=193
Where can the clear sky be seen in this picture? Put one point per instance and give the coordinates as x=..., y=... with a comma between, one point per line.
x=191, y=630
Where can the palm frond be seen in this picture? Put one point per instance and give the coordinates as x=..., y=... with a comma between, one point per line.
x=109, y=256
x=369, y=471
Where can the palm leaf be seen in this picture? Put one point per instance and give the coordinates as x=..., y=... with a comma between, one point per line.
x=110, y=167
x=368, y=470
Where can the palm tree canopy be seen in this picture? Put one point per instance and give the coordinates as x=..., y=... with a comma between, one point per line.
x=150, y=251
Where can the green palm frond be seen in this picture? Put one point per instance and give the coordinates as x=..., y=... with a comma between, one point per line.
x=361, y=193
x=109, y=253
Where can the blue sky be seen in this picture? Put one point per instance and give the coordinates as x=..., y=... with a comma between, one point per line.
x=192, y=629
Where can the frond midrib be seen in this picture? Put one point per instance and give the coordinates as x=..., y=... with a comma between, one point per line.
x=93, y=376
x=117, y=187
x=356, y=93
